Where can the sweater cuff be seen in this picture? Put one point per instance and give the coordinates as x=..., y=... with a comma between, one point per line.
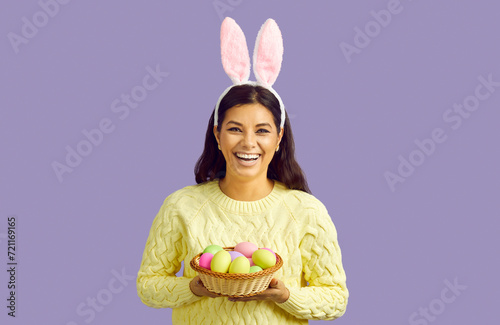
x=185, y=294
x=293, y=304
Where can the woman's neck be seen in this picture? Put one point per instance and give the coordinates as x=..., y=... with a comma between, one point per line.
x=251, y=190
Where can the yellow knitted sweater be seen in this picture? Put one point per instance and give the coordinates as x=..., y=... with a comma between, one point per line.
x=291, y=222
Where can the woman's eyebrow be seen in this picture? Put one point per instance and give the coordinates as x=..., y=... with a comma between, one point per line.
x=258, y=125
x=237, y=123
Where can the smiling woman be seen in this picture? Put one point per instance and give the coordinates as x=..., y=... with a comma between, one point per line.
x=251, y=189
x=250, y=118
x=247, y=140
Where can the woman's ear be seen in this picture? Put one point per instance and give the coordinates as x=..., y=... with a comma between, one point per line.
x=216, y=134
x=280, y=136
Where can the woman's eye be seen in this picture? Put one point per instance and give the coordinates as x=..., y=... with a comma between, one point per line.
x=235, y=129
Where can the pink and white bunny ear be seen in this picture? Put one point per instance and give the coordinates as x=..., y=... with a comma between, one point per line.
x=234, y=51
x=267, y=58
x=268, y=53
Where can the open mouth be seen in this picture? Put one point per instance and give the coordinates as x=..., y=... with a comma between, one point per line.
x=245, y=157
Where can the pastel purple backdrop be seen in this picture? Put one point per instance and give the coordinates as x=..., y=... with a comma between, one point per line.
x=361, y=87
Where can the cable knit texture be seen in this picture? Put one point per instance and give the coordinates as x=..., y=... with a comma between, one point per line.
x=293, y=223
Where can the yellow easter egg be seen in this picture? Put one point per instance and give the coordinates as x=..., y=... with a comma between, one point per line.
x=264, y=258
x=240, y=264
x=221, y=261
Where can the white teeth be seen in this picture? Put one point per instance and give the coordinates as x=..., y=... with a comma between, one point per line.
x=241, y=155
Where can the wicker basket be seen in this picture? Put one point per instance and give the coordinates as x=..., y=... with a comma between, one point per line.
x=235, y=284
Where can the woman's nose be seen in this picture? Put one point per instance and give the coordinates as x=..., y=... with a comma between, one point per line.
x=249, y=139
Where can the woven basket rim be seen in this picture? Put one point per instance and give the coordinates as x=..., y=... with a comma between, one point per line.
x=242, y=276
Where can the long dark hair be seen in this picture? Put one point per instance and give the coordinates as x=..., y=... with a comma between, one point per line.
x=283, y=166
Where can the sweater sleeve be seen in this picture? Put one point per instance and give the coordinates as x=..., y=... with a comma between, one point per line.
x=325, y=298
x=157, y=284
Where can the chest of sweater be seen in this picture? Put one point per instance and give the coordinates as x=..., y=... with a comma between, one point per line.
x=269, y=228
x=274, y=228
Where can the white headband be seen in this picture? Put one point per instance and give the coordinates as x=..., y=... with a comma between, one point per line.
x=267, y=58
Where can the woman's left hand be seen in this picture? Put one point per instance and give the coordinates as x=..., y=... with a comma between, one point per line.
x=276, y=292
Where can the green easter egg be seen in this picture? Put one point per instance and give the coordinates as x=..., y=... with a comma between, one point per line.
x=212, y=249
x=255, y=268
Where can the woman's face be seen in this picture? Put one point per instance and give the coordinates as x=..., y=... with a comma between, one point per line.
x=248, y=140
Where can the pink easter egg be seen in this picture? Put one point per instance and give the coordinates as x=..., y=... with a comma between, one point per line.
x=205, y=260
x=246, y=248
x=234, y=255
x=251, y=261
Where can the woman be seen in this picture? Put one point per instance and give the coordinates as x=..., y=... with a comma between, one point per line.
x=250, y=188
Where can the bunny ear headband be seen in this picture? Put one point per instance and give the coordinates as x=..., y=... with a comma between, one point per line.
x=267, y=57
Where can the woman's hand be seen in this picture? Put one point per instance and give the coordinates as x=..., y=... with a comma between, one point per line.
x=276, y=292
x=199, y=289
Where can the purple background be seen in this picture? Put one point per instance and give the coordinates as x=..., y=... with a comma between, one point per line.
x=351, y=122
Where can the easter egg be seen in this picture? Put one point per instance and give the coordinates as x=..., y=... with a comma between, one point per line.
x=205, y=260
x=212, y=249
x=255, y=268
x=251, y=261
x=263, y=258
x=235, y=255
x=269, y=250
x=221, y=261
x=240, y=265
x=246, y=248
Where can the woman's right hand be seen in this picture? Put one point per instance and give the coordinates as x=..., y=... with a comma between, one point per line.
x=199, y=289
